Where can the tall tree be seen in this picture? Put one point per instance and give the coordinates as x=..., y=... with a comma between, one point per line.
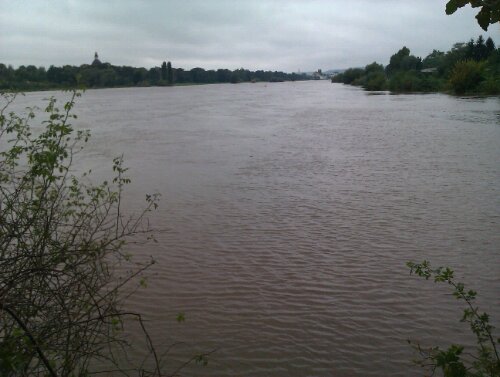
x=480, y=49
x=170, y=74
x=395, y=61
x=164, y=71
x=490, y=45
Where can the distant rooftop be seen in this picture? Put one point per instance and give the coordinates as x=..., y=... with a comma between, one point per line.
x=96, y=60
x=429, y=70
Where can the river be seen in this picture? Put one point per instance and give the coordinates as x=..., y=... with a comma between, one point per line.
x=288, y=213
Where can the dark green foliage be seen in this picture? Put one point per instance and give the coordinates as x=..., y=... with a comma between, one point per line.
x=375, y=82
x=403, y=61
x=488, y=14
x=468, y=68
x=181, y=317
x=164, y=71
x=61, y=240
x=138, y=78
x=170, y=74
x=466, y=76
x=480, y=51
x=374, y=77
x=106, y=75
x=490, y=46
x=352, y=74
x=406, y=81
x=349, y=76
x=234, y=79
x=224, y=75
x=450, y=361
x=491, y=74
x=459, y=52
x=200, y=75
x=64, y=76
x=433, y=60
x=65, y=267
x=154, y=76
x=414, y=81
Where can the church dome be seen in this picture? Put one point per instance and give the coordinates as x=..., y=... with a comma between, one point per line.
x=96, y=61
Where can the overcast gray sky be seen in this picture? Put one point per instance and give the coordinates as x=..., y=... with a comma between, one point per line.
x=256, y=34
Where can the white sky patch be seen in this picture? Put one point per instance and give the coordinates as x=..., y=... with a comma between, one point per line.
x=260, y=34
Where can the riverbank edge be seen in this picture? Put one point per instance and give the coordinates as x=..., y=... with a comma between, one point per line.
x=59, y=88
x=447, y=92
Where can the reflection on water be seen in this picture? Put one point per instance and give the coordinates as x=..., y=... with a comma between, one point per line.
x=289, y=211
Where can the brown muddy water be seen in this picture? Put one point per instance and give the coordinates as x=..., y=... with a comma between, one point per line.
x=289, y=211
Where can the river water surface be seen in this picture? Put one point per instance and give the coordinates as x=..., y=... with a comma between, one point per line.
x=289, y=211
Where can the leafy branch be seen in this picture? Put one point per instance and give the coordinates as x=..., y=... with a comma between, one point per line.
x=63, y=240
x=487, y=361
x=489, y=13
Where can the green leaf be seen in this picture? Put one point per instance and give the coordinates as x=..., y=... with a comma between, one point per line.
x=181, y=317
x=483, y=18
x=451, y=7
x=476, y=3
x=201, y=359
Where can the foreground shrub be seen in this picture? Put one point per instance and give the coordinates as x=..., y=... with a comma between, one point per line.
x=61, y=241
x=486, y=361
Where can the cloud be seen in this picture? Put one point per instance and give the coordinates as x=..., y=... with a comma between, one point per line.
x=260, y=34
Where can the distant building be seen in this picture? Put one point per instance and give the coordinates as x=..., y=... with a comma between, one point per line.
x=429, y=70
x=318, y=75
x=96, y=62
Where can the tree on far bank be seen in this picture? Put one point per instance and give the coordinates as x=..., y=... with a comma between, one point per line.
x=170, y=74
x=490, y=45
x=466, y=76
x=164, y=71
x=403, y=61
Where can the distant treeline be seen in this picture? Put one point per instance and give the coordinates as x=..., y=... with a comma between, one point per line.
x=105, y=75
x=468, y=68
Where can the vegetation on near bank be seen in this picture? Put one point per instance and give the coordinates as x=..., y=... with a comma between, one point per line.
x=454, y=361
x=467, y=68
x=65, y=268
x=106, y=75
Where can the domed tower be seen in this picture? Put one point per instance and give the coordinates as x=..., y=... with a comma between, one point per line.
x=96, y=61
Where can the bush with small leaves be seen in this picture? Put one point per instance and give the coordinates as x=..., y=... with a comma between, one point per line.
x=62, y=239
x=487, y=361
x=466, y=76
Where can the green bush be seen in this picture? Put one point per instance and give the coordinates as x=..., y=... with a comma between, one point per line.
x=486, y=361
x=466, y=76
x=490, y=86
x=349, y=76
x=375, y=81
x=405, y=81
x=61, y=240
x=375, y=78
x=413, y=81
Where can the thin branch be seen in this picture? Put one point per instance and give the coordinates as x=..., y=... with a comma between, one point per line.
x=31, y=338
